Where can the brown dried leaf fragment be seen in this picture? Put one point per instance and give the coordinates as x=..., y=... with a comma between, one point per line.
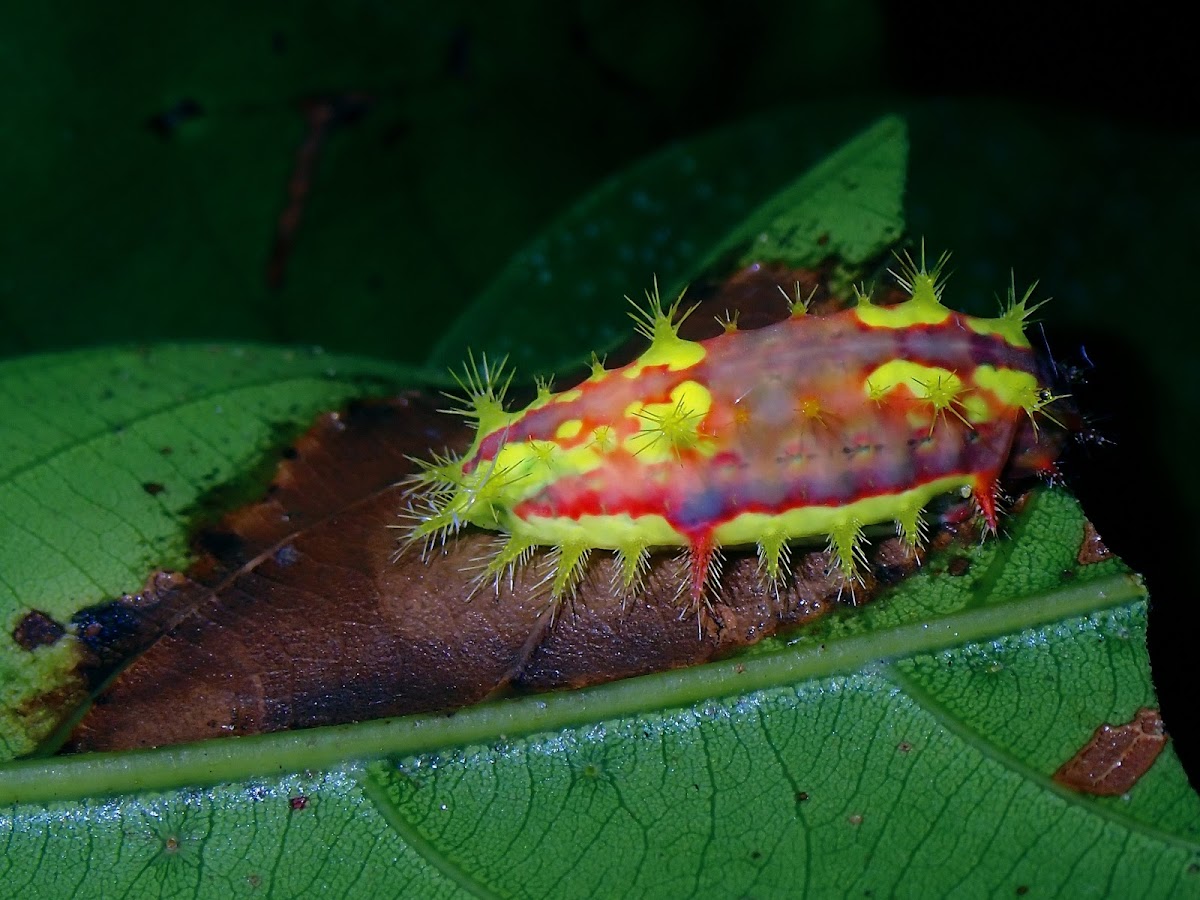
x=1092, y=550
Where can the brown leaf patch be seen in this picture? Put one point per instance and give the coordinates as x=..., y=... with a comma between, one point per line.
x=297, y=612
x=1092, y=550
x=1116, y=756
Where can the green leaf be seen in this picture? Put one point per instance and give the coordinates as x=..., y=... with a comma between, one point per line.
x=108, y=458
x=922, y=743
x=903, y=749
x=847, y=207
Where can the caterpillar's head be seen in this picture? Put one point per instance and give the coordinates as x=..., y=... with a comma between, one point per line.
x=1053, y=421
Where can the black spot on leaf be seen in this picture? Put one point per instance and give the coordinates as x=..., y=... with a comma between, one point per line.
x=37, y=630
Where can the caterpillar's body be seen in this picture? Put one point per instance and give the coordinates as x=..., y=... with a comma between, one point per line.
x=813, y=427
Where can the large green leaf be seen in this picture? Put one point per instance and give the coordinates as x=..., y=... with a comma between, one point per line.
x=909, y=754
x=906, y=748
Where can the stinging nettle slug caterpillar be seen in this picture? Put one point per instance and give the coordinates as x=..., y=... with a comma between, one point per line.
x=810, y=429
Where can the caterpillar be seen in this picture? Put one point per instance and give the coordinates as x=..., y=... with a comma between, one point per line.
x=813, y=428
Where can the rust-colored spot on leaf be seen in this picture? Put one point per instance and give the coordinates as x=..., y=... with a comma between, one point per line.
x=35, y=630
x=959, y=566
x=1092, y=550
x=1111, y=763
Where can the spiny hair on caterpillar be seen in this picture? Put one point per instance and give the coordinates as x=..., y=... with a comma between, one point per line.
x=582, y=469
x=443, y=500
x=484, y=385
x=562, y=568
x=1019, y=310
x=652, y=321
x=797, y=303
x=923, y=284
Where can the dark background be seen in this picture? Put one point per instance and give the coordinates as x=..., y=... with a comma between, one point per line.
x=347, y=174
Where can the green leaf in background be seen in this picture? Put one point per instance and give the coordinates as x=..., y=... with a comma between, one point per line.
x=671, y=216
x=108, y=458
x=905, y=749
x=148, y=162
x=846, y=208
x=183, y=130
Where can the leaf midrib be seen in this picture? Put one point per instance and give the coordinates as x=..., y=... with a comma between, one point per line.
x=240, y=758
